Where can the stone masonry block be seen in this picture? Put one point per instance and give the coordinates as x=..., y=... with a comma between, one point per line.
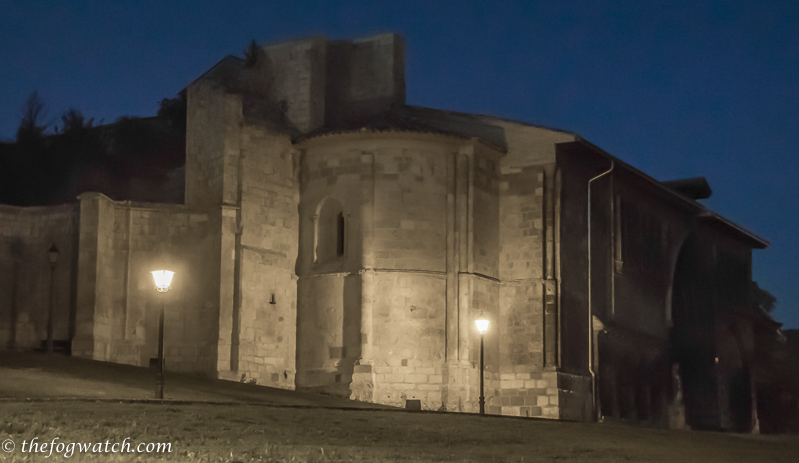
x=416, y=378
x=395, y=378
x=429, y=387
x=403, y=386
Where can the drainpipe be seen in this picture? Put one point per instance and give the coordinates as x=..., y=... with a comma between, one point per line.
x=235, y=336
x=590, y=308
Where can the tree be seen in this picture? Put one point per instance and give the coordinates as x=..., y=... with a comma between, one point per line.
x=73, y=121
x=25, y=184
x=31, y=123
x=79, y=144
x=251, y=54
x=763, y=299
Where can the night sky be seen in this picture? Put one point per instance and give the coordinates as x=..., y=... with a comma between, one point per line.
x=685, y=89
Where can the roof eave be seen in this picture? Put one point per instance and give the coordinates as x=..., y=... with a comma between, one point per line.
x=758, y=242
x=703, y=212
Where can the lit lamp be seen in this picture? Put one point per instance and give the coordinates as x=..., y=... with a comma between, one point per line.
x=482, y=327
x=162, y=279
x=52, y=253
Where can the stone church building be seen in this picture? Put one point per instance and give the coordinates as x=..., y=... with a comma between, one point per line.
x=335, y=239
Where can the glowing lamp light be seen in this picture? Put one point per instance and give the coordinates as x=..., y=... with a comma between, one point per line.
x=162, y=278
x=482, y=323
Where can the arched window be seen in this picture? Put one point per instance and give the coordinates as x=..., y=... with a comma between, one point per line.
x=330, y=233
x=340, y=234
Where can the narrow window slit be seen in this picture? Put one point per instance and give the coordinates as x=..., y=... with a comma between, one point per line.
x=340, y=235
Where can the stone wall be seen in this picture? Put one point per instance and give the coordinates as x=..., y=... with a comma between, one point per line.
x=315, y=82
x=486, y=210
x=329, y=285
x=521, y=253
x=245, y=174
x=118, y=307
x=267, y=254
x=410, y=207
x=328, y=332
x=382, y=305
x=408, y=333
x=363, y=77
x=417, y=208
x=212, y=143
x=521, y=295
x=26, y=235
x=529, y=274
x=293, y=76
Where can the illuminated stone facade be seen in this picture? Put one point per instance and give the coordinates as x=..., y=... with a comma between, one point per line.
x=334, y=239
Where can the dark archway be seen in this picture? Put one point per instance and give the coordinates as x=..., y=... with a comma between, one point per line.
x=736, y=376
x=693, y=336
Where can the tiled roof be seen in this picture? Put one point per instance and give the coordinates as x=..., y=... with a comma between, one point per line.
x=397, y=119
x=389, y=121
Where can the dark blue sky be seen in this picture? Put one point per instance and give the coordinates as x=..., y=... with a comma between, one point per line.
x=677, y=89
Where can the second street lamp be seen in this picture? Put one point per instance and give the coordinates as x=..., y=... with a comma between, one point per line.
x=52, y=254
x=482, y=327
x=163, y=279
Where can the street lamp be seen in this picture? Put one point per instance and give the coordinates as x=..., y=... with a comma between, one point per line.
x=482, y=327
x=52, y=253
x=162, y=279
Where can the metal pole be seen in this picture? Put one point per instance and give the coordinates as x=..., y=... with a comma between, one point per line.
x=50, y=312
x=159, y=376
x=482, y=397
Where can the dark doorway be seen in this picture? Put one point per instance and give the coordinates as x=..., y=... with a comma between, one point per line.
x=693, y=335
x=740, y=393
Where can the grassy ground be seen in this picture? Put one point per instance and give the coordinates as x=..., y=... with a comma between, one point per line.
x=262, y=424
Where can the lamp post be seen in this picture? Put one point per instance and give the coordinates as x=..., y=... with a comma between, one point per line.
x=163, y=279
x=52, y=253
x=482, y=327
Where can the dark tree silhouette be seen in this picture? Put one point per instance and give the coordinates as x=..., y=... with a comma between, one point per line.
x=130, y=159
x=763, y=299
x=251, y=54
x=73, y=121
x=21, y=170
x=31, y=122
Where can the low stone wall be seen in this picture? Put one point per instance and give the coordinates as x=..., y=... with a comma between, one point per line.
x=117, y=305
x=26, y=235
